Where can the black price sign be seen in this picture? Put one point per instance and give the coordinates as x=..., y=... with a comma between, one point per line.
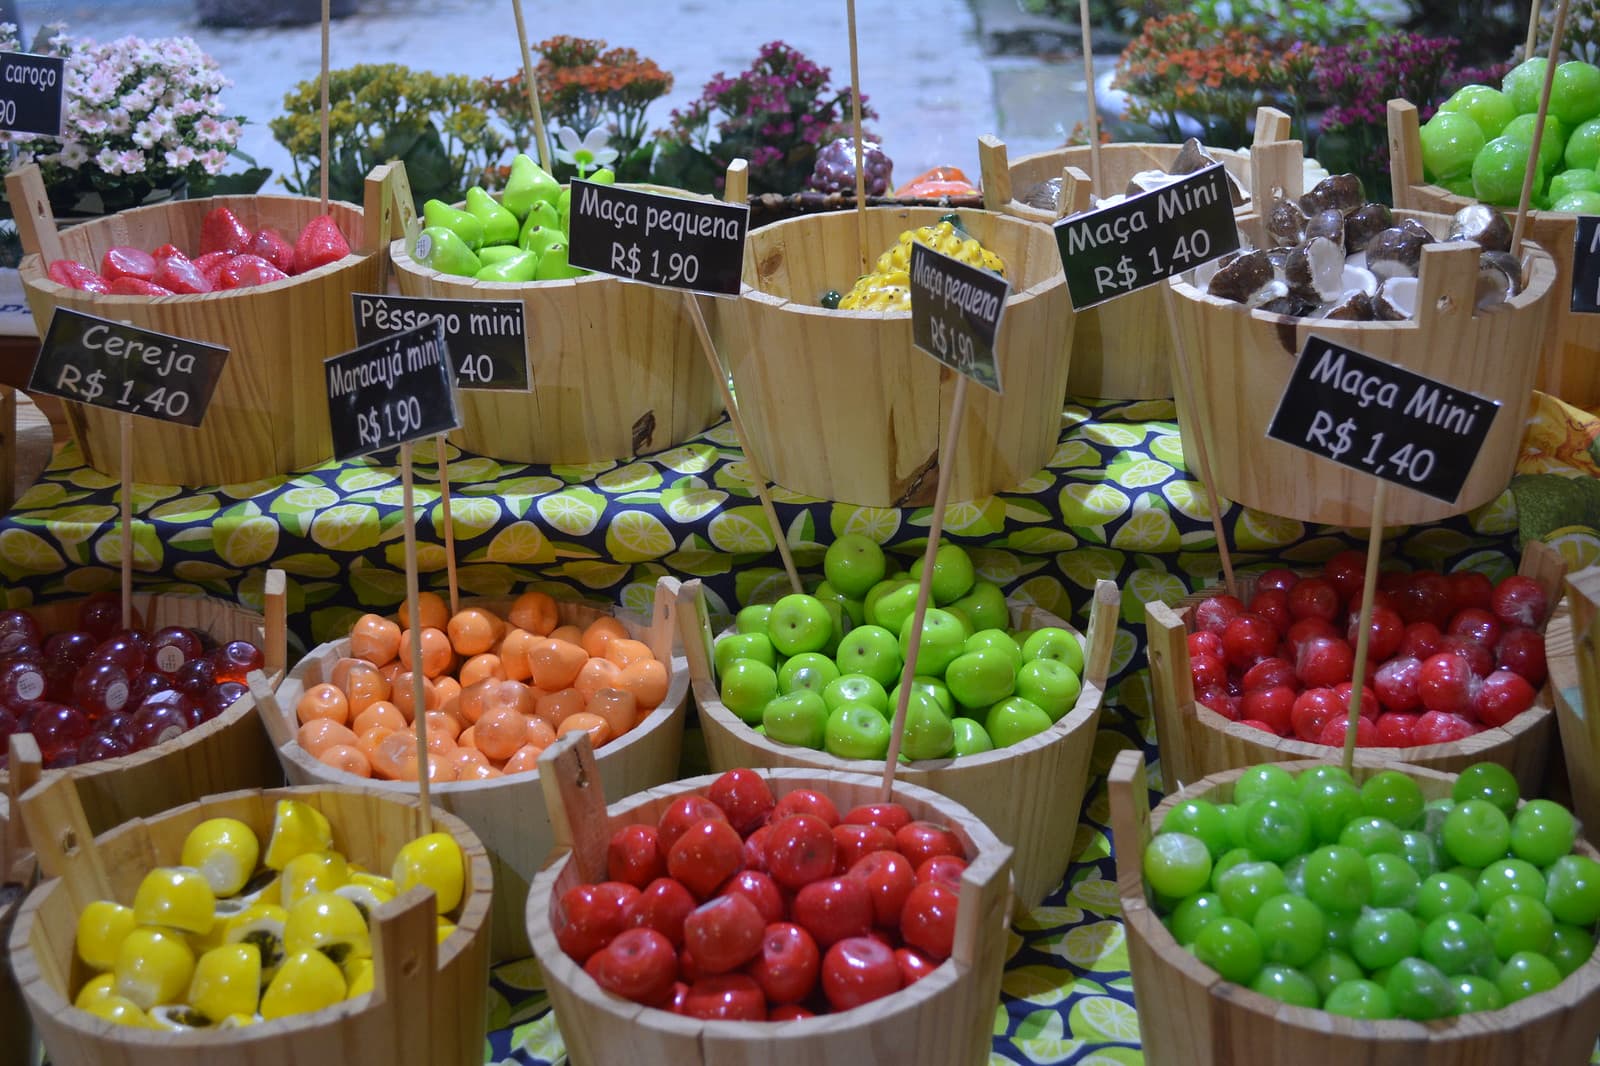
x=1149, y=238
x=955, y=313
x=30, y=93
x=1382, y=419
x=125, y=368
x=663, y=240
x=487, y=338
x=397, y=389
x=1586, y=266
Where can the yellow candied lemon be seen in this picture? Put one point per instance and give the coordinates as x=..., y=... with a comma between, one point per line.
x=327, y=923
x=119, y=1009
x=315, y=871
x=261, y=925
x=358, y=976
x=153, y=967
x=227, y=980
x=102, y=926
x=297, y=827
x=225, y=851
x=177, y=1018
x=239, y=1021
x=436, y=861
x=307, y=981
x=175, y=897
x=368, y=896
x=445, y=929
x=96, y=988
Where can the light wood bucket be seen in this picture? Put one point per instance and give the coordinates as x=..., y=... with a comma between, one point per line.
x=228, y=752
x=428, y=1006
x=840, y=406
x=269, y=413
x=508, y=813
x=1569, y=647
x=1241, y=360
x=1122, y=350
x=945, y=1019
x=1195, y=741
x=18, y=872
x=1029, y=794
x=1189, y=1015
x=1571, y=346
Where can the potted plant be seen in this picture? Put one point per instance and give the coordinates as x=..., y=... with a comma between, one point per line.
x=269, y=12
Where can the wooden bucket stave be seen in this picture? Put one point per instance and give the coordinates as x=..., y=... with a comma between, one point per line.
x=1029, y=794
x=18, y=872
x=1242, y=358
x=228, y=752
x=428, y=1007
x=1189, y=1015
x=1194, y=741
x=840, y=406
x=268, y=415
x=508, y=814
x=1575, y=689
x=1571, y=345
x=947, y=1017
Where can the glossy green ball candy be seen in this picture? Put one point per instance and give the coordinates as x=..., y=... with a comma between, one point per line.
x=1417, y=990
x=1450, y=142
x=1476, y=833
x=1294, y=875
x=1193, y=915
x=1341, y=929
x=1583, y=147
x=1394, y=796
x=1490, y=108
x=1498, y=169
x=1245, y=887
x=1575, y=92
x=1551, y=145
x=1570, y=947
x=1286, y=985
x=1571, y=181
x=1446, y=893
x=1524, y=84
x=1316, y=775
x=1337, y=878
x=1383, y=936
x=1509, y=877
x=1331, y=969
x=1578, y=203
x=1230, y=947
x=1518, y=923
x=1291, y=930
x=1199, y=818
x=1263, y=782
x=1231, y=858
x=1331, y=803
x=1371, y=836
x=1572, y=889
x=1476, y=993
x=1394, y=882
x=1230, y=818
x=1275, y=827
x=1359, y=999
x=1459, y=943
x=1419, y=852
x=1176, y=864
x=1527, y=973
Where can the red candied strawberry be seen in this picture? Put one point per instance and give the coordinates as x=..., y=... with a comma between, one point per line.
x=179, y=275
x=243, y=271
x=272, y=246
x=319, y=244
x=74, y=275
x=167, y=251
x=131, y=286
x=221, y=231
x=125, y=262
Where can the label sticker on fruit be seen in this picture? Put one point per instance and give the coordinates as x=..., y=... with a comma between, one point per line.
x=664, y=240
x=394, y=390
x=125, y=368
x=31, y=90
x=955, y=313
x=1382, y=419
x=487, y=338
x=1586, y=266
x=1147, y=238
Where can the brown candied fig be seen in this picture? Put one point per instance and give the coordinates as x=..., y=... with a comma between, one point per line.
x=1396, y=252
x=1243, y=278
x=1342, y=192
x=1363, y=224
x=1286, y=223
x=1315, y=270
x=1483, y=224
x=1499, y=278
x=1329, y=224
x=1396, y=299
x=1354, y=307
x=1191, y=157
x=1411, y=225
x=1043, y=195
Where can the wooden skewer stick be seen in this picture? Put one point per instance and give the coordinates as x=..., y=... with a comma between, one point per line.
x=1181, y=354
x=323, y=170
x=442, y=450
x=947, y=462
x=855, y=124
x=1088, y=92
x=1369, y=586
x=125, y=425
x=1521, y=226
x=414, y=631
x=530, y=76
x=1533, y=30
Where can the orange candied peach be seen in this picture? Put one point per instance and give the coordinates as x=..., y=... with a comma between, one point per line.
x=402, y=694
x=601, y=632
x=323, y=701
x=373, y=736
x=474, y=631
x=383, y=713
x=536, y=612
x=617, y=707
x=647, y=680
x=598, y=728
x=514, y=653
x=481, y=666
x=396, y=757
x=436, y=653
x=541, y=734
x=556, y=707
x=431, y=609
x=569, y=633
x=596, y=675
x=375, y=639
x=500, y=732
x=363, y=685
x=443, y=723
x=554, y=664
x=524, y=761
x=347, y=757
x=320, y=734
x=625, y=650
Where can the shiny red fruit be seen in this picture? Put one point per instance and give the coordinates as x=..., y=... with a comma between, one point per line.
x=236, y=659
x=680, y=814
x=788, y=1012
x=1277, y=578
x=1396, y=684
x=1220, y=700
x=806, y=801
x=18, y=628
x=945, y=868
x=1385, y=633
x=1480, y=657
x=1307, y=629
x=661, y=905
x=788, y=965
x=173, y=646
x=1273, y=605
x=833, y=909
x=1439, y=727
x=1422, y=640
x=755, y=848
x=1522, y=650
x=639, y=964
x=706, y=855
x=1468, y=588
x=1445, y=683
x=1270, y=706
x=890, y=816
x=759, y=889
x=733, y=997
x=1370, y=707
x=723, y=934
x=928, y=921
x=1334, y=733
x=1346, y=571
x=1427, y=598
x=1212, y=614
x=1313, y=710
x=1324, y=661
x=1248, y=639
x=1520, y=601
x=1205, y=642
x=744, y=797
x=1207, y=671
x=1396, y=730
x=1314, y=597
x=859, y=970
x=799, y=849
x=890, y=878
x=587, y=917
x=1268, y=673
x=1502, y=696
x=1477, y=624
x=914, y=966
x=851, y=842
x=921, y=841
x=634, y=857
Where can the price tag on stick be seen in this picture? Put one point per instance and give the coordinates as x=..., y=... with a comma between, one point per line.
x=1382, y=419
x=127, y=369
x=392, y=391
x=487, y=338
x=31, y=89
x=1147, y=238
x=1586, y=266
x=664, y=240
x=955, y=313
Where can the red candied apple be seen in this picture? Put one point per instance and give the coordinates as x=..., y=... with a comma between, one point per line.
x=806, y=801
x=788, y=1012
x=1308, y=629
x=744, y=797
x=1476, y=624
x=858, y=970
x=1334, y=733
x=723, y=934
x=74, y=275
x=788, y=965
x=833, y=909
x=319, y=244
x=1273, y=605
x=914, y=966
x=587, y=917
x=1385, y=633
x=1427, y=598
x=1219, y=699
x=733, y=997
x=1314, y=597
x=920, y=841
x=851, y=842
x=1247, y=640
x=682, y=813
x=1212, y=614
x=1370, y=707
x=1256, y=723
x=799, y=850
x=755, y=849
x=1396, y=684
x=1205, y=642
x=946, y=868
x=890, y=816
x=1324, y=661
x=1468, y=588
x=705, y=856
x=1313, y=709
x=1396, y=730
x=1270, y=706
x=1520, y=601
x=1268, y=673
x=1522, y=650
x=1480, y=658
x=1445, y=683
x=759, y=889
x=661, y=905
x=221, y=231
x=928, y=921
x=1502, y=696
x=634, y=857
x=639, y=964
x=890, y=878
x=1441, y=727
x=1207, y=671
x=1346, y=571
x=1277, y=578
x=1423, y=640
x=122, y=261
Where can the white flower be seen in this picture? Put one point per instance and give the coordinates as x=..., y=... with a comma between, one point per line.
x=214, y=161
x=74, y=155
x=108, y=161
x=132, y=162
x=180, y=158
x=592, y=151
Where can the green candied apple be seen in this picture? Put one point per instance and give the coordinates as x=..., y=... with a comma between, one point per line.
x=953, y=575
x=1575, y=92
x=834, y=598
x=1583, y=147
x=856, y=731
x=499, y=225
x=853, y=564
x=1450, y=142
x=799, y=718
x=1578, y=203
x=1551, y=145
x=1014, y=720
x=985, y=604
x=748, y=685
x=982, y=677
x=1498, y=170
x=1523, y=85
x=971, y=737
x=1490, y=108
x=437, y=213
x=928, y=733
x=857, y=689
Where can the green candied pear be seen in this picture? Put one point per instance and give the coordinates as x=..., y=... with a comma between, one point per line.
x=564, y=210
x=539, y=239
x=518, y=268
x=542, y=216
x=496, y=253
x=604, y=176
x=446, y=252
x=527, y=184
x=499, y=225
x=553, y=265
x=462, y=224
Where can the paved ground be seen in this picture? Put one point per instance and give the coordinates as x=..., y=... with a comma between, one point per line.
x=921, y=64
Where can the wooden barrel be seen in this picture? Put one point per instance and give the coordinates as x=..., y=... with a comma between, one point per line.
x=945, y=1019
x=508, y=813
x=1122, y=350
x=18, y=871
x=1571, y=344
x=1571, y=658
x=840, y=406
x=1190, y=1016
x=269, y=413
x=1241, y=360
x=1029, y=794
x=1195, y=741
x=230, y=751
x=428, y=1006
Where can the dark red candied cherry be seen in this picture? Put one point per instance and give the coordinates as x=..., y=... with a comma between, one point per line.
x=220, y=699
x=101, y=686
x=1476, y=623
x=1278, y=579
x=1347, y=571
x=1386, y=631
x=196, y=677
x=1273, y=605
x=1520, y=601
x=1315, y=597
x=1468, y=588
x=101, y=615
x=18, y=628
x=147, y=684
x=1324, y=661
x=22, y=681
x=1247, y=639
x=1205, y=642
x=1502, y=696
x=57, y=727
x=128, y=649
x=1522, y=650
x=158, y=722
x=99, y=746
x=235, y=659
x=1212, y=614
x=72, y=648
x=1423, y=640
x=173, y=646
x=1396, y=730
